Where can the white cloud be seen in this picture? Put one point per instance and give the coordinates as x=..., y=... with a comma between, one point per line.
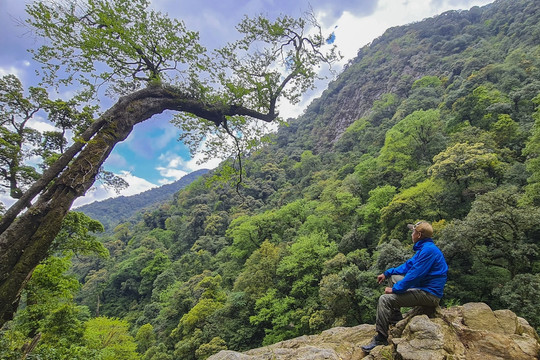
x=193, y=165
x=40, y=124
x=65, y=95
x=136, y=184
x=99, y=192
x=174, y=169
x=169, y=134
x=116, y=160
x=170, y=175
x=11, y=70
x=6, y=200
x=172, y=160
x=354, y=31
x=288, y=110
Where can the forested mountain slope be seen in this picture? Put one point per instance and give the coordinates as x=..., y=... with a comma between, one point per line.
x=452, y=46
x=437, y=120
x=113, y=211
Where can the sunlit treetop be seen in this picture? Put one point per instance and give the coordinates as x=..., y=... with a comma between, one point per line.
x=117, y=42
x=127, y=45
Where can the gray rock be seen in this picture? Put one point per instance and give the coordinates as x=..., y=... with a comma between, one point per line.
x=340, y=343
x=469, y=332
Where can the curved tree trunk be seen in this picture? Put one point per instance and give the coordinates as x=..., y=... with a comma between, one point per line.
x=25, y=241
x=49, y=175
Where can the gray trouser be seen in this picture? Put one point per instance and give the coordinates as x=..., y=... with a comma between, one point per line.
x=389, y=304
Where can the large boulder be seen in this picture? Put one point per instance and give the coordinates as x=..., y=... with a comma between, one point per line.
x=469, y=332
x=333, y=344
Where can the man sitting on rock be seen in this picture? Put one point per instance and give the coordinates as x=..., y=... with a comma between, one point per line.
x=418, y=282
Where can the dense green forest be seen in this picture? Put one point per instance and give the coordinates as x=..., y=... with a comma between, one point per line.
x=437, y=120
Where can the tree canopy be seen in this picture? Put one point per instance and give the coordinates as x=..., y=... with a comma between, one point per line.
x=436, y=121
x=155, y=64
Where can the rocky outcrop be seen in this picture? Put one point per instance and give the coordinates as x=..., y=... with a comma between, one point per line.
x=469, y=332
x=472, y=331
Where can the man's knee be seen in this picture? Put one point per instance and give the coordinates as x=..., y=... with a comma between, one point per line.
x=386, y=301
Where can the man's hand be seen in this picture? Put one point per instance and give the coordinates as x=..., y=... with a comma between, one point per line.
x=381, y=278
x=387, y=290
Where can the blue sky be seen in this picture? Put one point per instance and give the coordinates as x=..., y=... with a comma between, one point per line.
x=151, y=155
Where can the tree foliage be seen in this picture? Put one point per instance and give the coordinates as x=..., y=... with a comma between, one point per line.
x=442, y=124
x=110, y=338
x=157, y=64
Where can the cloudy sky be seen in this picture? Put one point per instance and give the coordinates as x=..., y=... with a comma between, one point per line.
x=151, y=156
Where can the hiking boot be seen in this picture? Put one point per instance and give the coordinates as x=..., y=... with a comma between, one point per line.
x=377, y=340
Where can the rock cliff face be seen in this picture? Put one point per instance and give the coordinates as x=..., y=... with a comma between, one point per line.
x=469, y=332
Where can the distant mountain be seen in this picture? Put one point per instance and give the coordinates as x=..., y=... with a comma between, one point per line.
x=113, y=211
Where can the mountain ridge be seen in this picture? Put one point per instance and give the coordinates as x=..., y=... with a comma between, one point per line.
x=438, y=46
x=111, y=212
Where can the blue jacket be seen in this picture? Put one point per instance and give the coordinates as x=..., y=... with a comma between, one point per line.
x=426, y=270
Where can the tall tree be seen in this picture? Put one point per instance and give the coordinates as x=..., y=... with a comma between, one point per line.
x=499, y=232
x=411, y=143
x=15, y=112
x=157, y=65
x=532, y=151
